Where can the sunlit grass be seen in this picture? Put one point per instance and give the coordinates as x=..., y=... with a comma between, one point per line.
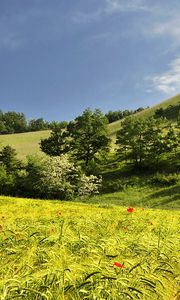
x=24, y=143
x=65, y=250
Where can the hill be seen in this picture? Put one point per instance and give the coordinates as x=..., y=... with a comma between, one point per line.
x=28, y=143
x=171, y=102
x=24, y=143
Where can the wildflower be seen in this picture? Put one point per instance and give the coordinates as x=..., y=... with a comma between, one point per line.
x=117, y=264
x=1, y=227
x=142, y=209
x=130, y=209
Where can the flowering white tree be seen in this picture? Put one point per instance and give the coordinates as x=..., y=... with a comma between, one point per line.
x=62, y=179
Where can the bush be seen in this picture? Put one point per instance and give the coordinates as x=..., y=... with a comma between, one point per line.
x=55, y=178
x=7, y=182
x=89, y=185
x=165, y=180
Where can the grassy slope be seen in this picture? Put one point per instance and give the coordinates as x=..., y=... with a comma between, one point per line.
x=28, y=143
x=24, y=143
x=113, y=127
x=65, y=251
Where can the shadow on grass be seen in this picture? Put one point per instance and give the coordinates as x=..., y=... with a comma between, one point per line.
x=173, y=192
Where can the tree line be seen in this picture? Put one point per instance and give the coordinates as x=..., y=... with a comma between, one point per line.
x=76, y=151
x=13, y=122
x=140, y=142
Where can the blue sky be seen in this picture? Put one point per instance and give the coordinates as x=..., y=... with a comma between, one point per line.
x=58, y=57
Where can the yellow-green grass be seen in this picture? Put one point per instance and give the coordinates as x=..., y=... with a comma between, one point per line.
x=24, y=143
x=66, y=251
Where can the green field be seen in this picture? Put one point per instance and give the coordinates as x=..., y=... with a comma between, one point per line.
x=28, y=143
x=65, y=250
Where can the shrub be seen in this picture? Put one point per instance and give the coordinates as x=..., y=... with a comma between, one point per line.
x=7, y=181
x=165, y=180
x=56, y=177
x=89, y=185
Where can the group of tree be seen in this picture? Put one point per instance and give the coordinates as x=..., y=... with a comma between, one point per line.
x=55, y=177
x=116, y=115
x=13, y=122
x=172, y=112
x=83, y=138
x=143, y=142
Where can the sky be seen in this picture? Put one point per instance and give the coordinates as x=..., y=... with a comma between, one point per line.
x=59, y=57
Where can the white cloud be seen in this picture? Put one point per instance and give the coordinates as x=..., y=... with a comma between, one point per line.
x=169, y=81
x=113, y=6
x=110, y=7
x=168, y=28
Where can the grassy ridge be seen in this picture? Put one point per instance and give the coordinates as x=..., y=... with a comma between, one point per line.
x=28, y=143
x=66, y=251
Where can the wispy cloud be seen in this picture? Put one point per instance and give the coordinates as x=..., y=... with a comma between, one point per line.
x=110, y=7
x=169, y=27
x=115, y=6
x=169, y=81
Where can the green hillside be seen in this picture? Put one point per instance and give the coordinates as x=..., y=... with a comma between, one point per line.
x=28, y=143
x=24, y=143
x=174, y=101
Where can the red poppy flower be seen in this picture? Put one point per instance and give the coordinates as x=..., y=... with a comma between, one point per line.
x=130, y=209
x=142, y=209
x=118, y=265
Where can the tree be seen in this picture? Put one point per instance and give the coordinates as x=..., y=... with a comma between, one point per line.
x=130, y=140
x=143, y=141
x=56, y=144
x=88, y=134
x=37, y=124
x=55, y=178
x=14, y=122
x=9, y=160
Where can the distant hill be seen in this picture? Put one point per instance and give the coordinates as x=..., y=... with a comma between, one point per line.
x=28, y=143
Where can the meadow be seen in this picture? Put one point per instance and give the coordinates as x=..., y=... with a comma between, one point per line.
x=73, y=250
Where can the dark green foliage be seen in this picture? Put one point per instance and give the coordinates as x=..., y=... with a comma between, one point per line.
x=37, y=124
x=7, y=181
x=172, y=112
x=29, y=182
x=89, y=135
x=12, y=122
x=144, y=141
x=164, y=179
x=9, y=169
x=8, y=159
x=113, y=116
x=57, y=143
